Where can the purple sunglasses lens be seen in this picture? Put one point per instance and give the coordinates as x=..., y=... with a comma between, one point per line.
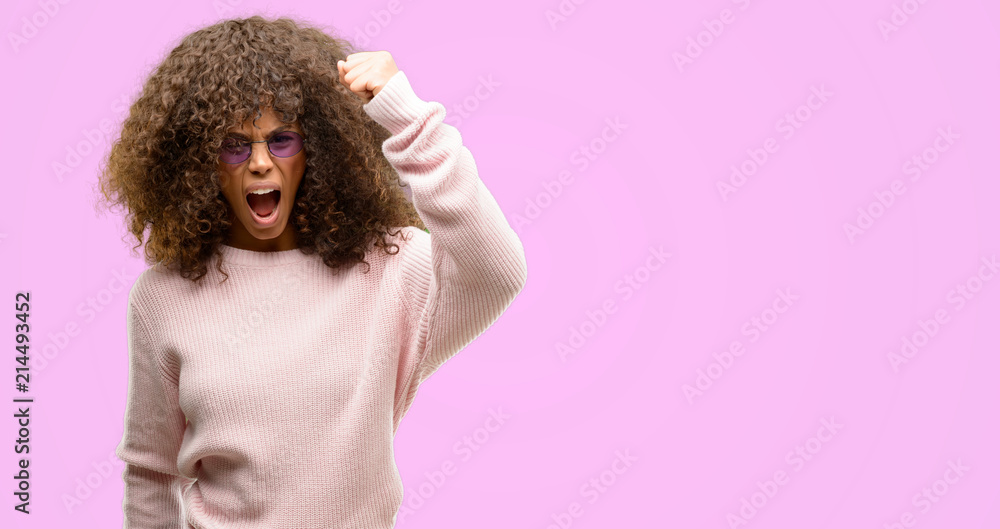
x=233, y=151
x=282, y=145
x=285, y=144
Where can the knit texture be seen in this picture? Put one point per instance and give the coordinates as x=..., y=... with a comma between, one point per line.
x=271, y=400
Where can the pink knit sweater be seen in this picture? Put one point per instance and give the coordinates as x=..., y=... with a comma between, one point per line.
x=271, y=400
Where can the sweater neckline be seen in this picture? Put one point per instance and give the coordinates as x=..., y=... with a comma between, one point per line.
x=231, y=254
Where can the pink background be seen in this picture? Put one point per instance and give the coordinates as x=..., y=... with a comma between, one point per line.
x=617, y=387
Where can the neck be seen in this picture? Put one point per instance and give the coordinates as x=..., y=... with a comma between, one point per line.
x=240, y=238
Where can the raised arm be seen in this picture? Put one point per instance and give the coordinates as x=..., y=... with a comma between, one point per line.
x=459, y=278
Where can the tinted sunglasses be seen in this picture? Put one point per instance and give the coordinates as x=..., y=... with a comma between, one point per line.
x=282, y=145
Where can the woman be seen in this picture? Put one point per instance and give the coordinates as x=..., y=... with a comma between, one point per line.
x=296, y=298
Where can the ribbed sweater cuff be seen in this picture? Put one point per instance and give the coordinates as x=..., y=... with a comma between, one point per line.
x=396, y=105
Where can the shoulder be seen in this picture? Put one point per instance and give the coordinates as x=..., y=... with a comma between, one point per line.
x=155, y=287
x=413, y=236
x=410, y=266
x=407, y=238
x=414, y=245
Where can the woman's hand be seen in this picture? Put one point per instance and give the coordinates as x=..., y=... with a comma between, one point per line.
x=366, y=72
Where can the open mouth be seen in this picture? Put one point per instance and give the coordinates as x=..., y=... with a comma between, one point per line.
x=264, y=204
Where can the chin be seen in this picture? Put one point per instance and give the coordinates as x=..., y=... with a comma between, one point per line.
x=271, y=232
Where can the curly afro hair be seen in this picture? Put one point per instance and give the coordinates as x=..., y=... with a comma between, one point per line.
x=163, y=169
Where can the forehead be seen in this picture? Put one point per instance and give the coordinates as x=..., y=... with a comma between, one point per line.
x=268, y=121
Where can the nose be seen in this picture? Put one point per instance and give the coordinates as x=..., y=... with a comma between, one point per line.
x=260, y=158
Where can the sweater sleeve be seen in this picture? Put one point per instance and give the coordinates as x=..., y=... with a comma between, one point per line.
x=459, y=278
x=154, y=429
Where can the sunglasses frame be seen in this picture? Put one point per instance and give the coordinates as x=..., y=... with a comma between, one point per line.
x=268, y=142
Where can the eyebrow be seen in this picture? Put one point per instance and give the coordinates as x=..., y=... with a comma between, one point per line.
x=281, y=128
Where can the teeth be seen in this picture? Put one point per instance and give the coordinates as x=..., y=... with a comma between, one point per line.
x=262, y=191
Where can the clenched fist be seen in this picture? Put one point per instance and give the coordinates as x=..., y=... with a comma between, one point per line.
x=366, y=72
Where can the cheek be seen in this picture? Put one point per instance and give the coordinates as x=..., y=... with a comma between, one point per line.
x=301, y=167
x=294, y=172
x=226, y=182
